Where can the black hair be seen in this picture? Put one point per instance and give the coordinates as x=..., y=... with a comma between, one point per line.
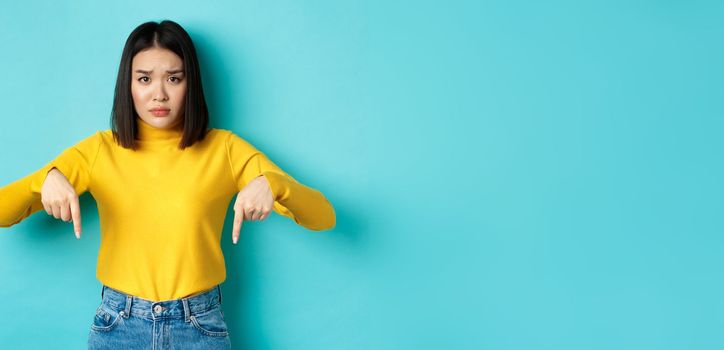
x=168, y=35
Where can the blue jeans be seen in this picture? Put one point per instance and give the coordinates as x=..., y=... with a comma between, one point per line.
x=128, y=322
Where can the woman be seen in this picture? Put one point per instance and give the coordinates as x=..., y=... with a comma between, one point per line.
x=162, y=181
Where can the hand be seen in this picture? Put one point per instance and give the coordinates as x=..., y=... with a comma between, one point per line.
x=254, y=202
x=60, y=200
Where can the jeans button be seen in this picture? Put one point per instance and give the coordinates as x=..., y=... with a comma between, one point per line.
x=157, y=309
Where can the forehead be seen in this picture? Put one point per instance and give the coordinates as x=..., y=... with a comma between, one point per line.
x=156, y=59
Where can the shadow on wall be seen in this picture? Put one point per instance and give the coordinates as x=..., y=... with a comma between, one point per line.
x=238, y=290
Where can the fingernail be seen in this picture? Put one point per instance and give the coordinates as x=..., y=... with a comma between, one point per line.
x=235, y=239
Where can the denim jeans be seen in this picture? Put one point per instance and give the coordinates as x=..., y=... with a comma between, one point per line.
x=128, y=322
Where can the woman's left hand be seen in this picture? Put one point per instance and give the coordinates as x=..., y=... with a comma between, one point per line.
x=254, y=202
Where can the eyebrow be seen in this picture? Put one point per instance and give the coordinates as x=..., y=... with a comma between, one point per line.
x=151, y=71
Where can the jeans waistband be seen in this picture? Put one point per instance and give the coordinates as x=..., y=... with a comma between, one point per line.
x=176, y=308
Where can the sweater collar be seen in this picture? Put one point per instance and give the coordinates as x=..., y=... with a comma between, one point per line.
x=148, y=132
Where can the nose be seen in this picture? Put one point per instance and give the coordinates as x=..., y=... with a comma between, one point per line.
x=160, y=93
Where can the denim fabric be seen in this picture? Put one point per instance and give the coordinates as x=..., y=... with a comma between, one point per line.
x=128, y=322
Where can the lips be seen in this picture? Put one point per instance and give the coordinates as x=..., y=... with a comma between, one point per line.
x=160, y=112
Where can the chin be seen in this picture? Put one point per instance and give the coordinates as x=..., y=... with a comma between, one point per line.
x=162, y=122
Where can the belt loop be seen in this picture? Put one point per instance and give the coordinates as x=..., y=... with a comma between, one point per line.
x=129, y=299
x=218, y=286
x=187, y=311
x=103, y=289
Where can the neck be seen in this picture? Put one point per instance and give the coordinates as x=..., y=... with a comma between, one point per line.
x=148, y=132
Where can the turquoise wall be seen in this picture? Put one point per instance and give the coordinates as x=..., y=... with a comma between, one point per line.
x=506, y=174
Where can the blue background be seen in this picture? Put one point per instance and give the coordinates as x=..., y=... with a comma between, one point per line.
x=506, y=174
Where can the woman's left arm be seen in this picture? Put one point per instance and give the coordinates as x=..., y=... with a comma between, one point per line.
x=307, y=206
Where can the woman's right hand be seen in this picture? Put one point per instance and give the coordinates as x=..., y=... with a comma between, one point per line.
x=60, y=200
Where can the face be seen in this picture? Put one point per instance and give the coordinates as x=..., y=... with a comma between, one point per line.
x=158, y=82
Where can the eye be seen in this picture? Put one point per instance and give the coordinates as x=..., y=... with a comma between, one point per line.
x=141, y=79
x=178, y=80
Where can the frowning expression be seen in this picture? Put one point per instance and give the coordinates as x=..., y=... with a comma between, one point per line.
x=158, y=87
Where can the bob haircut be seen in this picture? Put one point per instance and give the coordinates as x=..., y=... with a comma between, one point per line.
x=167, y=35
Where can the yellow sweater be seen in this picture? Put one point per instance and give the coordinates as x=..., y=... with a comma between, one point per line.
x=162, y=209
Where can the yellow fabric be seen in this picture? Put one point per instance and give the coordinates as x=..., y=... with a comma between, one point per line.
x=162, y=209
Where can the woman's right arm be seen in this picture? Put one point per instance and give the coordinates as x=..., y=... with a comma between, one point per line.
x=17, y=202
x=55, y=190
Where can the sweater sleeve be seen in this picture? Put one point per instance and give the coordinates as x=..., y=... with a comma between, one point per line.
x=22, y=198
x=308, y=207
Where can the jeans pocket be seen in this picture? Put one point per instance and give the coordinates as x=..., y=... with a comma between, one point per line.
x=105, y=319
x=210, y=322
